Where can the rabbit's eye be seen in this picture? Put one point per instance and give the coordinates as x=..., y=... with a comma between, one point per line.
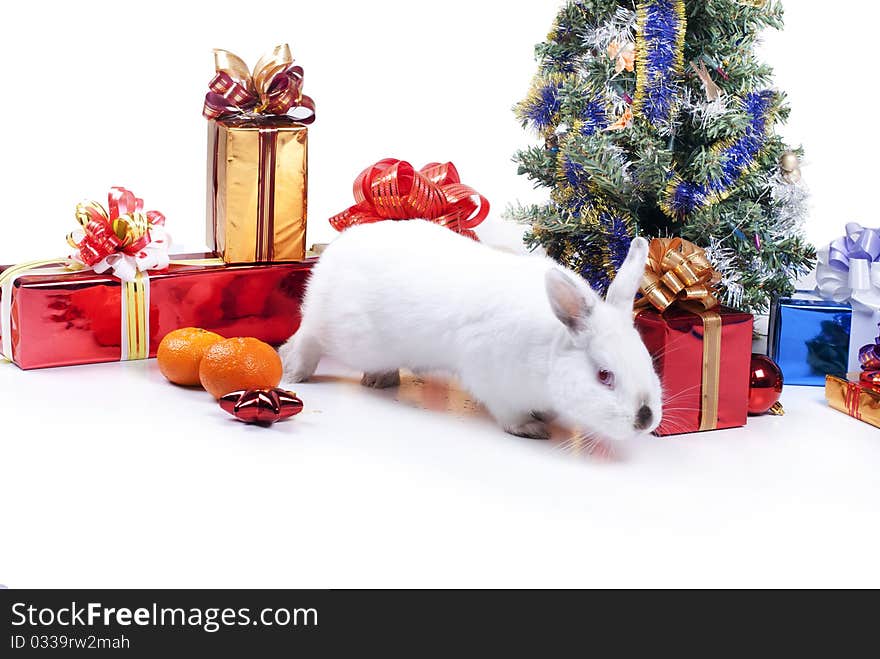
x=606, y=378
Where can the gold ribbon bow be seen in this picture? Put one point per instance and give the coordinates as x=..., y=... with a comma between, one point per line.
x=129, y=228
x=678, y=274
x=274, y=87
x=267, y=67
x=678, y=271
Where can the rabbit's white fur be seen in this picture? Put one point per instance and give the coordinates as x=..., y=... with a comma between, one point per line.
x=524, y=336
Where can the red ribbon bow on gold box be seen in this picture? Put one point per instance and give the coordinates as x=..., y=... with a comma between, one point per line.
x=273, y=88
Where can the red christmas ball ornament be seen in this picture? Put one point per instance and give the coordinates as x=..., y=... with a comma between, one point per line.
x=261, y=406
x=765, y=386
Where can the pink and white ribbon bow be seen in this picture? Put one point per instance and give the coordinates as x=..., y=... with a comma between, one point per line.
x=122, y=239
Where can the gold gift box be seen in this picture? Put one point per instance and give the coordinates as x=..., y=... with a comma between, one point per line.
x=257, y=189
x=852, y=397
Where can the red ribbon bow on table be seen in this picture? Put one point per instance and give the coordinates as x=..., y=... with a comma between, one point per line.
x=393, y=190
x=122, y=237
x=274, y=87
x=262, y=406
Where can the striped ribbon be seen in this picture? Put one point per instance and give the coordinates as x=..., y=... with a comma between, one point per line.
x=853, y=408
x=135, y=318
x=393, y=189
x=265, y=247
x=711, y=378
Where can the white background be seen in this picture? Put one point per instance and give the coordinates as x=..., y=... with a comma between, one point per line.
x=131, y=482
x=109, y=93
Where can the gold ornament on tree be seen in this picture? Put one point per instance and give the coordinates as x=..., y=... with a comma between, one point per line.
x=790, y=165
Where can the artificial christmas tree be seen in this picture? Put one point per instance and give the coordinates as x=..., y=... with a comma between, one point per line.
x=658, y=120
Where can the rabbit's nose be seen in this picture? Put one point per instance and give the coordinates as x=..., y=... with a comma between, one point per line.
x=644, y=417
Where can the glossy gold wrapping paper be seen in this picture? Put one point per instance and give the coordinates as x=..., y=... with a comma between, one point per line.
x=257, y=190
x=854, y=398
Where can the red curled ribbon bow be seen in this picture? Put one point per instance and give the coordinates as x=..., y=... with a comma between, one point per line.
x=122, y=237
x=393, y=190
x=274, y=87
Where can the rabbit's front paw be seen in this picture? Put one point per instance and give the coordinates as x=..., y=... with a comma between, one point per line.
x=300, y=357
x=381, y=380
x=532, y=429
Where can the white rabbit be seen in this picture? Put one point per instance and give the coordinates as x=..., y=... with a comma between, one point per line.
x=530, y=340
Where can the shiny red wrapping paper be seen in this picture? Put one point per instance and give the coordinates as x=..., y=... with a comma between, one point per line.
x=74, y=318
x=675, y=339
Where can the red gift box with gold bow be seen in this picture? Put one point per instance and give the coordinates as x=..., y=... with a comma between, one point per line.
x=119, y=293
x=702, y=351
x=56, y=317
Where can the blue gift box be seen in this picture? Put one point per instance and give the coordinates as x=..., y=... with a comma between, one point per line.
x=809, y=338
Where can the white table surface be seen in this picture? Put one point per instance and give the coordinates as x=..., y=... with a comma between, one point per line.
x=111, y=477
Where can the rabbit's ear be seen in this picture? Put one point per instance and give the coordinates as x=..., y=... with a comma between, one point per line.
x=626, y=284
x=572, y=302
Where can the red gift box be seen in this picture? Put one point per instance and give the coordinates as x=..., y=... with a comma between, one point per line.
x=687, y=369
x=53, y=317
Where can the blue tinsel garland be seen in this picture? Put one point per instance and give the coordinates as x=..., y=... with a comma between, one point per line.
x=594, y=118
x=660, y=58
x=541, y=107
x=737, y=156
